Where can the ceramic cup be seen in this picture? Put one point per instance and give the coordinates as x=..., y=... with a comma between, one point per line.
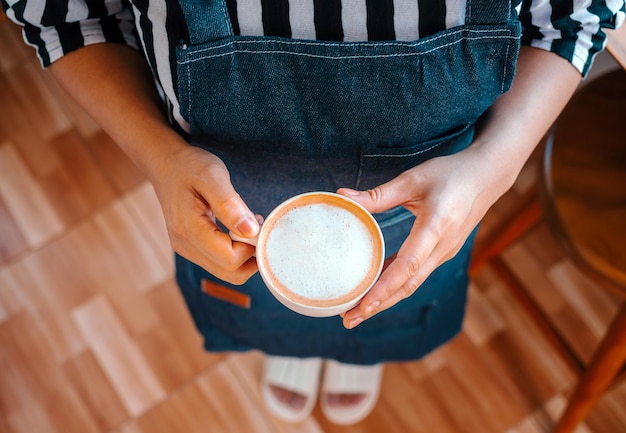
x=319, y=253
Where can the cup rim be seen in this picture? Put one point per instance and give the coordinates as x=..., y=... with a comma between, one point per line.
x=303, y=304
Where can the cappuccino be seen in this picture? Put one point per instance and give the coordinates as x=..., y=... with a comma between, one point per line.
x=319, y=253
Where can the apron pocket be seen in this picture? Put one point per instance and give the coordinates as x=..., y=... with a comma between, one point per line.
x=381, y=164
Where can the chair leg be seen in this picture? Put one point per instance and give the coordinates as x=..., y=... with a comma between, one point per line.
x=525, y=217
x=537, y=315
x=604, y=366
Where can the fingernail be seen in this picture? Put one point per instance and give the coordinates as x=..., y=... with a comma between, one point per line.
x=355, y=322
x=371, y=307
x=247, y=226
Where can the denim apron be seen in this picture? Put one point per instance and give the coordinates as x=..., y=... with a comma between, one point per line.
x=289, y=116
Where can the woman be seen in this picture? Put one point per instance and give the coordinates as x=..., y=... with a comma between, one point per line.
x=422, y=111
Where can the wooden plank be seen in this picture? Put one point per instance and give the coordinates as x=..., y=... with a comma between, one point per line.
x=48, y=306
x=228, y=395
x=494, y=401
x=31, y=209
x=135, y=256
x=20, y=410
x=174, y=316
x=37, y=104
x=11, y=301
x=483, y=321
x=593, y=304
x=93, y=387
x=185, y=411
x=119, y=357
x=14, y=51
x=79, y=186
x=530, y=271
x=116, y=267
x=144, y=208
x=527, y=351
x=12, y=241
x=37, y=395
x=122, y=173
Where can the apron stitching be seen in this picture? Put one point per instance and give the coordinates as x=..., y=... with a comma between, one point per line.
x=404, y=154
x=226, y=18
x=189, y=89
x=359, y=174
x=374, y=56
x=502, y=83
x=395, y=220
x=364, y=45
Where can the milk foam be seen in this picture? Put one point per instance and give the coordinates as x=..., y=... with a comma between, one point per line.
x=320, y=251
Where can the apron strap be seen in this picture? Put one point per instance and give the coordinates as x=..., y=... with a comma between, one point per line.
x=487, y=11
x=207, y=20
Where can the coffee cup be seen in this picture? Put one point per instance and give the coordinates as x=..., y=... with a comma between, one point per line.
x=319, y=253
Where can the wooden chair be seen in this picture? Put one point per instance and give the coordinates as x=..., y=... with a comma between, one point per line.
x=582, y=198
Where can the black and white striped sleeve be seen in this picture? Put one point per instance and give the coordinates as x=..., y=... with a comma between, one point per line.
x=57, y=27
x=570, y=28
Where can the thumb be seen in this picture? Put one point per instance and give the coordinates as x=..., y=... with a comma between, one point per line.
x=228, y=206
x=380, y=198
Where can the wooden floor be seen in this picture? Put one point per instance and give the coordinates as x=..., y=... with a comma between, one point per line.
x=94, y=336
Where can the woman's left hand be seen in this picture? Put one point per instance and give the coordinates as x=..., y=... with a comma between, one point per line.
x=449, y=196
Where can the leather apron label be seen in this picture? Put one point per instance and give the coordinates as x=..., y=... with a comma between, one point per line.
x=226, y=294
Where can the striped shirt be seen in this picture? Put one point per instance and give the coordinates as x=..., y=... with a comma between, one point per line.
x=569, y=28
x=345, y=20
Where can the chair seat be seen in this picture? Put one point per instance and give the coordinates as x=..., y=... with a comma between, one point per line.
x=584, y=179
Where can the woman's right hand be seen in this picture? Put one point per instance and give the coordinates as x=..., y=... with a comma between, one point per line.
x=193, y=185
x=194, y=189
